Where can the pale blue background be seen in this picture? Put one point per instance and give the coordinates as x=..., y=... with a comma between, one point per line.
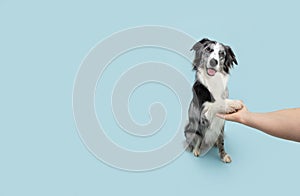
x=41, y=47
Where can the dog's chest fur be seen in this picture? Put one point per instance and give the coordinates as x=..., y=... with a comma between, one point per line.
x=216, y=85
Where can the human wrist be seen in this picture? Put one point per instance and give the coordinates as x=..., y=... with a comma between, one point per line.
x=244, y=119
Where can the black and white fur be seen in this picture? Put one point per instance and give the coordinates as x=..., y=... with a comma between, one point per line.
x=210, y=96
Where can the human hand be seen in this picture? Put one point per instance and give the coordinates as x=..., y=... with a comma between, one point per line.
x=238, y=116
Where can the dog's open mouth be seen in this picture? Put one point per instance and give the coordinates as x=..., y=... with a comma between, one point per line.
x=211, y=72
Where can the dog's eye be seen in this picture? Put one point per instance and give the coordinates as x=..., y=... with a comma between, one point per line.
x=222, y=54
x=208, y=49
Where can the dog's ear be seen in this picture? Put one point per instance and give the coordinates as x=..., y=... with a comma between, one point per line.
x=198, y=48
x=200, y=44
x=229, y=59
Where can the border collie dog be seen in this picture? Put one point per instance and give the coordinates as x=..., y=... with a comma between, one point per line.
x=210, y=96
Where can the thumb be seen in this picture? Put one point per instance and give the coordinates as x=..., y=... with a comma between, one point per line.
x=220, y=115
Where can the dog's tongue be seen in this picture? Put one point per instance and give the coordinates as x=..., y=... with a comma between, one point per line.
x=211, y=72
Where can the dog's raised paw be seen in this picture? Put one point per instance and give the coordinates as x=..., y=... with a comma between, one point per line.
x=226, y=159
x=233, y=106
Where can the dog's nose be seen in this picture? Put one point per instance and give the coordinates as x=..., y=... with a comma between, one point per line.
x=213, y=62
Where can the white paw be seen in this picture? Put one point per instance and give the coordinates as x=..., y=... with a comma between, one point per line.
x=196, y=152
x=233, y=106
x=226, y=159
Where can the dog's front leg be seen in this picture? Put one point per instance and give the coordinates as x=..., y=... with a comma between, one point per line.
x=207, y=113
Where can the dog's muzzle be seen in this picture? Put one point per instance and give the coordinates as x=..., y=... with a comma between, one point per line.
x=211, y=71
x=213, y=62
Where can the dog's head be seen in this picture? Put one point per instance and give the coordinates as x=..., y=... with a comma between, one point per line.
x=213, y=57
